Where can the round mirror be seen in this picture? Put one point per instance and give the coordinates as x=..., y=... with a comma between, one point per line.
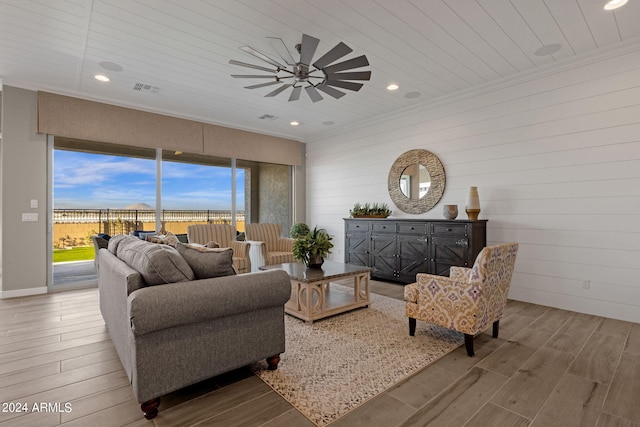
x=416, y=181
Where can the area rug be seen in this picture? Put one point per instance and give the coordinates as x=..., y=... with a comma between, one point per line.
x=336, y=364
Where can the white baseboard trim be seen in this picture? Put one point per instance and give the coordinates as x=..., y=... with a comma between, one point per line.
x=23, y=292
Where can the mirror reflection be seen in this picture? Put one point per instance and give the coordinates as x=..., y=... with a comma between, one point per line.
x=415, y=181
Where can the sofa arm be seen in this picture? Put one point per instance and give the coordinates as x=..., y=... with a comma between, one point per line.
x=165, y=306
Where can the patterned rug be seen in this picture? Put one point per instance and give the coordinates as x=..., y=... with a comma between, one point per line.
x=336, y=364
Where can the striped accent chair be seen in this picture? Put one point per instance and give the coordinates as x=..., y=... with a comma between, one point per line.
x=467, y=301
x=275, y=249
x=225, y=236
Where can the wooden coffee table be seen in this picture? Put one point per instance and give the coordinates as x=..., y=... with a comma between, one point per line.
x=311, y=296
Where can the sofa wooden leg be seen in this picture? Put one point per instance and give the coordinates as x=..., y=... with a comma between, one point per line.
x=496, y=327
x=150, y=408
x=273, y=362
x=468, y=344
x=412, y=326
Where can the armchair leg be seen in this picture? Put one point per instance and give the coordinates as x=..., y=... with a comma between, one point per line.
x=496, y=327
x=468, y=344
x=150, y=408
x=412, y=326
x=273, y=362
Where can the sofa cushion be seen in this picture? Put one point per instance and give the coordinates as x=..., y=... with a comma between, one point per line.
x=157, y=264
x=208, y=262
x=114, y=242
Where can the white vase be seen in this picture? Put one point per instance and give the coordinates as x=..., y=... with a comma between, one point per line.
x=473, y=203
x=450, y=211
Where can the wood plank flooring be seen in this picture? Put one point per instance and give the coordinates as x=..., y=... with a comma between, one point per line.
x=549, y=367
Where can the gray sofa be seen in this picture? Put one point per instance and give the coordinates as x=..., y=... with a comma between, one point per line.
x=170, y=334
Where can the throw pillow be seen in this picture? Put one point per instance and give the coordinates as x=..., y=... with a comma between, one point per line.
x=168, y=239
x=157, y=264
x=208, y=262
x=115, y=241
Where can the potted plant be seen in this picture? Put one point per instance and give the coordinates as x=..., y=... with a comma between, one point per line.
x=299, y=229
x=370, y=210
x=311, y=248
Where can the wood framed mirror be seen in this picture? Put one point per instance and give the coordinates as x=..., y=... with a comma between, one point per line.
x=416, y=181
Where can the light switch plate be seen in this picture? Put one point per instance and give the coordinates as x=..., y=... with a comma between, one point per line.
x=29, y=217
x=34, y=203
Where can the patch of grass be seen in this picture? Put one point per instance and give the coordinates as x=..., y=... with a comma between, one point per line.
x=79, y=253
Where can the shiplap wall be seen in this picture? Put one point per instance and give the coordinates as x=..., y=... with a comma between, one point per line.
x=556, y=159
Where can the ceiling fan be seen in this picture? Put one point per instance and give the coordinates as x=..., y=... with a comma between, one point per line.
x=323, y=75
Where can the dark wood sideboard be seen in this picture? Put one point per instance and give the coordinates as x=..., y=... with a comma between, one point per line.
x=398, y=249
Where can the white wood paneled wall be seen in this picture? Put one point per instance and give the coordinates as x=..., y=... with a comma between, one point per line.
x=556, y=159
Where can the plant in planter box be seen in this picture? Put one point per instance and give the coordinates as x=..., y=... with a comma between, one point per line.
x=370, y=210
x=311, y=248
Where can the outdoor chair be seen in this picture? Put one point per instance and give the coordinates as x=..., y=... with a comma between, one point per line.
x=467, y=301
x=224, y=235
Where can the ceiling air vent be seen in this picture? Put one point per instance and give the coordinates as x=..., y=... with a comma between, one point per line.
x=144, y=88
x=267, y=117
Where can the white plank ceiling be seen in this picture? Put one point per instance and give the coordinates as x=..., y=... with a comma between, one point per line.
x=180, y=49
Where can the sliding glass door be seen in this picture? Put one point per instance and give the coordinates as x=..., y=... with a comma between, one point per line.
x=99, y=188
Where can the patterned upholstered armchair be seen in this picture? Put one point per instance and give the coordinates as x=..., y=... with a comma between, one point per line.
x=467, y=301
x=225, y=236
x=274, y=248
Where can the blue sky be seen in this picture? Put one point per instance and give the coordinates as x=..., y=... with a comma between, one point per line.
x=83, y=181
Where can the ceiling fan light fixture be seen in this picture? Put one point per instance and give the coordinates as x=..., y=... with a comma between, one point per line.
x=322, y=75
x=614, y=4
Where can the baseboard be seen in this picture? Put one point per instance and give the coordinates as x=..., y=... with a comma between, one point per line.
x=23, y=292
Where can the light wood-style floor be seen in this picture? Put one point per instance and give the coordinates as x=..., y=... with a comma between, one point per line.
x=549, y=367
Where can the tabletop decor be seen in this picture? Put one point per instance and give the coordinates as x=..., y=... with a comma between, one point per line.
x=312, y=247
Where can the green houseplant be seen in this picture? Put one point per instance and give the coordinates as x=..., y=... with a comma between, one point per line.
x=299, y=229
x=311, y=248
x=370, y=210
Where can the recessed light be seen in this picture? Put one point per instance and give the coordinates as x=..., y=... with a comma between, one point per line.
x=111, y=66
x=294, y=123
x=101, y=77
x=329, y=123
x=410, y=95
x=392, y=87
x=614, y=4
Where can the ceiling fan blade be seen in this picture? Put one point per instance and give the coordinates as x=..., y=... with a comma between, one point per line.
x=295, y=93
x=313, y=94
x=355, y=75
x=358, y=62
x=334, y=54
x=337, y=94
x=262, y=85
x=345, y=85
x=247, y=76
x=309, y=46
x=278, y=45
x=277, y=91
x=257, y=67
x=262, y=56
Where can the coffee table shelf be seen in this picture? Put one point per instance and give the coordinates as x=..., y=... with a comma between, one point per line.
x=311, y=296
